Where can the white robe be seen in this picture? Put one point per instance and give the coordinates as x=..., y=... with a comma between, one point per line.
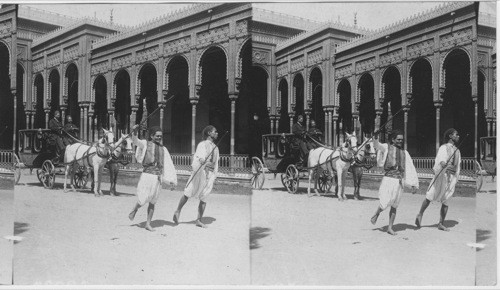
x=149, y=185
x=390, y=188
x=444, y=186
x=201, y=184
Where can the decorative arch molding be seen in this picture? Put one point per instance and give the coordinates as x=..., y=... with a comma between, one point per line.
x=264, y=67
x=444, y=56
x=167, y=65
x=310, y=89
x=94, y=81
x=337, y=89
x=292, y=96
x=398, y=68
x=114, y=77
x=200, y=58
x=66, y=79
x=239, y=62
x=34, y=89
x=278, y=99
x=9, y=49
x=409, y=83
x=358, y=80
x=141, y=71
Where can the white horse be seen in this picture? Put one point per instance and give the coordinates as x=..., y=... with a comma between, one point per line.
x=117, y=158
x=92, y=156
x=336, y=161
x=362, y=154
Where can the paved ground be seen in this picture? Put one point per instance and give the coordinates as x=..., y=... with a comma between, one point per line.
x=486, y=234
x=6, y=228
x=76, y=238
x=296, y=240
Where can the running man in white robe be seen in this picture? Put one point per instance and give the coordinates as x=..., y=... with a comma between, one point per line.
x=447, y=165
x=399, y=173
x=158, y=168
x=205, y=167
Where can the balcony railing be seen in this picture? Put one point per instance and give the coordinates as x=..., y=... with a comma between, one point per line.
x=7, y=160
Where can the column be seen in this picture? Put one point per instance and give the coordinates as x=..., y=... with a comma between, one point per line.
x=273, y=119
x=28, y=113
x=378, y=112
x=327, y=127
x=133, y=115
x=233, y=97
x=405, y=110
x=475, y=99
x=438, y=105
x=85, y=121
x=162, y=113
x=81, y=120
x=193, y=125
x=47, y=111
x=333, y=137
x=291, y=120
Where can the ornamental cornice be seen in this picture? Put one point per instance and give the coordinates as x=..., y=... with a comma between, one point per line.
x=147, y=54
x=297, y=63
x=315, y=56
x=261, y=56
x=281, y=69
x=242, y=28
x=343, y=71
x=99, y=68
x=365, y=65
x=5, y=27
x=214, y=35
x=391, y=58
x=70, y=52
x=176, y=46
x=53, y=59
x=404, y=24
x=121, y=61
x=38, y=65
x=455, y=38
x=421, y=48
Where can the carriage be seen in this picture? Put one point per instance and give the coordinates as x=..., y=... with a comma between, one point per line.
x=280, y=155
x=37, y=150
x=488, y=159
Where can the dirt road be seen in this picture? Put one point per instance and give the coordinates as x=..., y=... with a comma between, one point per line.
x=298, y=240
x=76, y=238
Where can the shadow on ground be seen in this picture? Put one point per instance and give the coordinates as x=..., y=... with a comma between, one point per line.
x=481, y=236
x=257, y=233
x=20, y=228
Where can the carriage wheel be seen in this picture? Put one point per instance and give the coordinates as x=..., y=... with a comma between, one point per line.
x=258, y=175
x=478, y=176
x=80, y=177
x=325, y=181
x=291, y=178
x=47, y=174
x=17, y=169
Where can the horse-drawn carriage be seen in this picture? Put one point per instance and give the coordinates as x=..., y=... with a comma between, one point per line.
x=37, y=150
x=280, y=154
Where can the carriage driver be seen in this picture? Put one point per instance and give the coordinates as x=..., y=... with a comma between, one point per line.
x=57, y=129
x=300, y=136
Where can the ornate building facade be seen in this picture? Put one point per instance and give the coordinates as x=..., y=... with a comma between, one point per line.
x=221, y=63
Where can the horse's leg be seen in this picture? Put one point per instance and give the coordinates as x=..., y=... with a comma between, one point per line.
x=340, y=182
x=99, y=179
x=66, y=169
x=113, y=172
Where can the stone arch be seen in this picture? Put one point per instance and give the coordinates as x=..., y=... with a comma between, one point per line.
x=121, y=94
x=147, y=90
x=284, y=124
x=178, y=122
x=390, y=93
x=458, y=110
x=315, y=84
x=202, y=55
x=239, y=63
x=70, y=88
x=53, y=90
x=366, y=98
x=345, y=108
x=100, y=100
x=38, y=88
x=168, y=63
x=9, y=52
x=297, y=97
x=410, y=67
x=421, y=126
x=444, y=59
